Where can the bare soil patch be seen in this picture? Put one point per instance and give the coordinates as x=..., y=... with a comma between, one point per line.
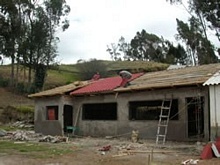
x=86, y=151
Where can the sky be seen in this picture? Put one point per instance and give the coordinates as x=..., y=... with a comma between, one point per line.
x=97, y=23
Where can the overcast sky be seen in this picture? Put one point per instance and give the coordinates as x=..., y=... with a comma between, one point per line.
x=94, y=24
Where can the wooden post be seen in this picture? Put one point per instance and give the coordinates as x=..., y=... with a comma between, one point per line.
x=152, y=152
x=149, y=160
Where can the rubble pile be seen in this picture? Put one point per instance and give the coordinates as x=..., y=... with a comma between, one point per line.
x=53, y=139
x=20, y=135
x=22, y=124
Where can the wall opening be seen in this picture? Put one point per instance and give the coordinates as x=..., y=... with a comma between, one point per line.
x=52, y=113
x=99, y=111
x=195, y=110
x=67, y=116
x=150, y=110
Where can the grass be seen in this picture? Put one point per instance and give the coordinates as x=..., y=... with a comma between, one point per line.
x=57, y=78
x=65, y=74
x=34, y=149
x=135, y=66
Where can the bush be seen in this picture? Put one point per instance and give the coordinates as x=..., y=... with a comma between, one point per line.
x=3, y=82
x=21, y=113
x=21, y=88
x=87, y=69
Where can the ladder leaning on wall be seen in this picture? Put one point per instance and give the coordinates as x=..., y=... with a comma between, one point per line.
x=163, y=121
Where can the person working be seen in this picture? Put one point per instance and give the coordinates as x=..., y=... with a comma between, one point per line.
x=96, y=76
x=125, y=75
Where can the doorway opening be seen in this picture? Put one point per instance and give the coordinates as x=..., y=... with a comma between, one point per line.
x=67, y=117
x=195, y=110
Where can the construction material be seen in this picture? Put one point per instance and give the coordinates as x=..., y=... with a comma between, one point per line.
x=134, y=136
x=163, y=121
x=215, y=150
x=119, y=155
x=138, y=151
x=76, y=119
x=190, y=162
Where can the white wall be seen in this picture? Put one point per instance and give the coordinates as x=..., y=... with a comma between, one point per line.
x=214, y=94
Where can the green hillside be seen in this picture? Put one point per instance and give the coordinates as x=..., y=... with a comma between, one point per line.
x=64, y=74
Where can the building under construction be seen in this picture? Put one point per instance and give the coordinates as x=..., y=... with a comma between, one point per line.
x=101, y=108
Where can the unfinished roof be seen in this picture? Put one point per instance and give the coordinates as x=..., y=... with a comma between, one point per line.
x=105, y=85
x=194, y=75
x=60, y=90
x=176, y=67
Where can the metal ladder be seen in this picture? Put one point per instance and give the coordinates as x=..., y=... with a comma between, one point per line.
x=163, y=121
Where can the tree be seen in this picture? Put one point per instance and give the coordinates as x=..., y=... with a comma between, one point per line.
x=87, y=69
x=10, y=29
x=150, y=47
x=204, y=17
x=198, y=45
x=120, y=50
x=44, y=22
x=177, y=55
x=30, y=32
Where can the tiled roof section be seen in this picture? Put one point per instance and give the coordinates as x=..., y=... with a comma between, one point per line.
x=105, y=85
x=214, y=80
x=60, y=90
x=194, y=75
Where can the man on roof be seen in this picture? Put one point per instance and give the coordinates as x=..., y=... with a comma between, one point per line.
x=125, y=75
x=96, y=76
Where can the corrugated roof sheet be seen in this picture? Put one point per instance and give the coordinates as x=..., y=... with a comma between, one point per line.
x=193, y=75
x=102, y=85
x=214, y=80
x=60, y=90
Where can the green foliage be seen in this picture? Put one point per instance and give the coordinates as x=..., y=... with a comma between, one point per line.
x=21, y=87
x=21, y=113
x=25, y=88
x=87, y=69
x=204, y=16
x=119, y=51
x=39, y=76
x=35, y=150
x=4, y=82
x=27, y=33
x=209, y=9
x=65, y=74
x=143, y=47
x=25, y=109
x=60, y=77
x=201, y=49
x=176, y=55
x=147, y=47
x=134, y=66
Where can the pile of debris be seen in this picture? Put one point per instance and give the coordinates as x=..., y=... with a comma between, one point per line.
x=53, y=139
x=21, y=124
x=21, y=135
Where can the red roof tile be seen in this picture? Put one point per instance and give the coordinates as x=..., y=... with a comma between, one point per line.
x=102, y=85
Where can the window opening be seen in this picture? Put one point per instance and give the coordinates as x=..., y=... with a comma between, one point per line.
x=195, y=109
x=150, y=110
x=52, y=113
x=100, y=111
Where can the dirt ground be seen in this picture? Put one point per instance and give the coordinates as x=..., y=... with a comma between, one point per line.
x=86, y=151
